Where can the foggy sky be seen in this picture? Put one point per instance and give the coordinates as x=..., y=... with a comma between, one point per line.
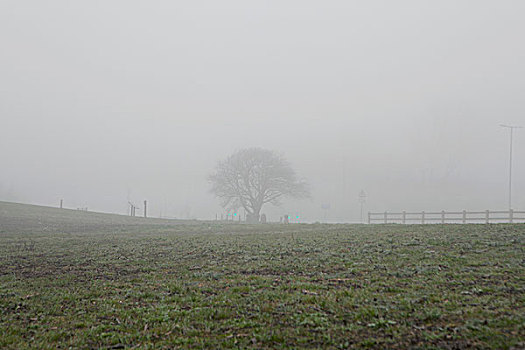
x=105, y=101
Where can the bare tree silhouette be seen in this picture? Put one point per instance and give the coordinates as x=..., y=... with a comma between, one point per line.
x=252, y=177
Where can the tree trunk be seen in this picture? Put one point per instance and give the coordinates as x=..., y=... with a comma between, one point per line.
x=253, y=218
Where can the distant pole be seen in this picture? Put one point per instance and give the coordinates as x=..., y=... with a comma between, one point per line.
x=325, y=208
x=511, y=127
x=145, y=205
x=362, y=201
x=61, y=202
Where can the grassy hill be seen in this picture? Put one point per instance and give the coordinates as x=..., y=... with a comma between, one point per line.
x=88, y=280
x=27, y=218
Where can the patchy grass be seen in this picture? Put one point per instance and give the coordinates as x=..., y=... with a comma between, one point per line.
x=206, y=285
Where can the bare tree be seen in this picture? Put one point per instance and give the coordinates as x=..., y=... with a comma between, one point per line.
x=252, y=177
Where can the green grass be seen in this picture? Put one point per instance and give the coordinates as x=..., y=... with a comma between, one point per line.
x=85, y=280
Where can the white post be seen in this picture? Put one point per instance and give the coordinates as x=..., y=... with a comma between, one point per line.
x=423, y=217
x=443, y=217
x=464, y=216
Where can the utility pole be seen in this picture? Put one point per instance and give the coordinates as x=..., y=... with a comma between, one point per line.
x=325, y=207
x=511, y=127
x=145, y=206
x=362, y=201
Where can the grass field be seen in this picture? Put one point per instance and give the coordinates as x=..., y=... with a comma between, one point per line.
x=86, y=280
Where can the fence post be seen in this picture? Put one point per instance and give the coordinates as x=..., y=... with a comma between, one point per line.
x=443, y=217
x=385, y=217
x=61, y=202
x=486, y=216
x=423, y=217
x=464, y=216
x=404, y=217
x=511, y=215
x=369, y=220
x=145, y=207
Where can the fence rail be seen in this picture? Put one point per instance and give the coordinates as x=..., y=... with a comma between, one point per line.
x=487, y=216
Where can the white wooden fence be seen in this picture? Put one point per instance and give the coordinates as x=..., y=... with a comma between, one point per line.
x=464, y=217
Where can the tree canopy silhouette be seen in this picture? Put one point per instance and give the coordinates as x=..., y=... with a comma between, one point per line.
x=252, y=177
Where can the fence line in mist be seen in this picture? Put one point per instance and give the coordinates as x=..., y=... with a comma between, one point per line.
x=464, y=217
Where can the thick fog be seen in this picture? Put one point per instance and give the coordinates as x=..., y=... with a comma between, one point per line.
x=105, y=102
